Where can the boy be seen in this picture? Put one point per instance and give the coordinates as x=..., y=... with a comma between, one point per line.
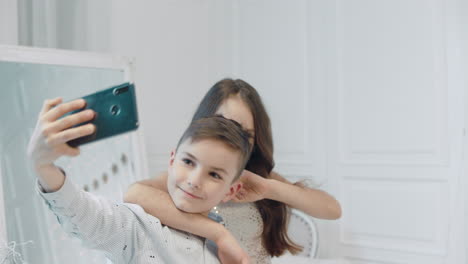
x=203, y=171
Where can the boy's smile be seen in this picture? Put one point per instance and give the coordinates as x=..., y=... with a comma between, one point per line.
x=200, y=175
x=189, y=194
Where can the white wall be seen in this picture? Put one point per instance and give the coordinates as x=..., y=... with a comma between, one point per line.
x=367, y=98
x=394, y=130
x=8, y=22
x=463, y=242
x=181, y=49
x=464, y=9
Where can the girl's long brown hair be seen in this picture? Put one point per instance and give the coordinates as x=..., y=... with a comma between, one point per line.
x=275, y=214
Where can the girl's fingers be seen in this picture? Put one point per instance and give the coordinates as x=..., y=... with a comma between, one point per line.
x=70, y=134
x=49, y=104
x=56, y=112
x=69, y=121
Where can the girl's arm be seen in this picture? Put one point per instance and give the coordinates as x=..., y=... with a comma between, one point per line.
x=152, y=195
x=314, y=202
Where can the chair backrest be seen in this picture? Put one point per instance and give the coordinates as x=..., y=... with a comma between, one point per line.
x=303, y=231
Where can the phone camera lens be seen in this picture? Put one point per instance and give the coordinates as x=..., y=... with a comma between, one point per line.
x=115, y=110
x=122, y=90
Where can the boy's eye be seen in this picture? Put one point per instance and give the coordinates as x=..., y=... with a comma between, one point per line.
x=187, y=161
x=215, y=175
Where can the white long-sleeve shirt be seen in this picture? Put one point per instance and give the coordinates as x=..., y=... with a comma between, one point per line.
x=124, y=232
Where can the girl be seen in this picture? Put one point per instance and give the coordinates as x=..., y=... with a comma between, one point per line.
x=259, y=223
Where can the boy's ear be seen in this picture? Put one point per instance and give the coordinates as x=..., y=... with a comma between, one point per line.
x=235, y=187
x=172, y=158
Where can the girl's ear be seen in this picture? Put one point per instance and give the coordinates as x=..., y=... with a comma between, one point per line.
x=235, y=187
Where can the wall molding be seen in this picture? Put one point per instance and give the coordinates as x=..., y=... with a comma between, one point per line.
x=436, y=154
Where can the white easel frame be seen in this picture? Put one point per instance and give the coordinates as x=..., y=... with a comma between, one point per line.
x=80, y=59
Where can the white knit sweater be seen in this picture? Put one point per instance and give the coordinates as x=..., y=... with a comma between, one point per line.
x=124, y=232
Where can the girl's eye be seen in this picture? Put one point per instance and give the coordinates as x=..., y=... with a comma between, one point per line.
x=187, y=161
x=215, y=175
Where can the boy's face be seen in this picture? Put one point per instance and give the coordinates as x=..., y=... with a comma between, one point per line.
x=201, y=174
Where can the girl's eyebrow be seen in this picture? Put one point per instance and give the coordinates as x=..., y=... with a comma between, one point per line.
x=211, y=167
x=251, y=132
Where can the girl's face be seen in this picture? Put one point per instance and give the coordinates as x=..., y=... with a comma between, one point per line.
x=236, y=109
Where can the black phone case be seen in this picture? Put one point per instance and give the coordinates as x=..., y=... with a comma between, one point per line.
x=116, y=113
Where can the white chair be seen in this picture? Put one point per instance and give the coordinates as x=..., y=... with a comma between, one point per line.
x=303, y=231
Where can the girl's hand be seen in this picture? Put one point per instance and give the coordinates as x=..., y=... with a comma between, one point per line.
x=229, y=251
x=48, y=141
x=254, y=188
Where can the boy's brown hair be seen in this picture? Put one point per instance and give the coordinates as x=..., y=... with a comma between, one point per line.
x=224, y=130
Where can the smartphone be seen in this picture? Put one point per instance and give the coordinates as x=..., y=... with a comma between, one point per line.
x=116, y=113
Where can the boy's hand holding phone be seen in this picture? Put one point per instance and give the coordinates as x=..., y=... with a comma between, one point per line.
x=61, y=128
x=49, y=139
